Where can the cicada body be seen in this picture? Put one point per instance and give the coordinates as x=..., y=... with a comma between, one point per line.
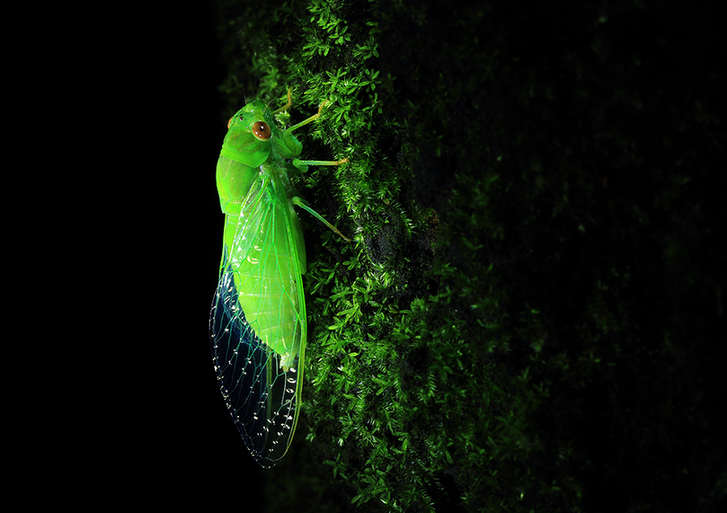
x=258, y=321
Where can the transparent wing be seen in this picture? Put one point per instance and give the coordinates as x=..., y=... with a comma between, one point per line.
x=258, y=326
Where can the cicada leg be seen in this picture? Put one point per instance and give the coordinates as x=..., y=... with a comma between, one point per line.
x=287, y=105
x=303, y=166
x=310, y=119
x=302, y=204
x=300, y=163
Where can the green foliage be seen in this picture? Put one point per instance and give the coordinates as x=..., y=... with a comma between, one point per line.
x=471, y=349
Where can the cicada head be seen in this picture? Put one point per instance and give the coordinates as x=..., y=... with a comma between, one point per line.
x=250, y=135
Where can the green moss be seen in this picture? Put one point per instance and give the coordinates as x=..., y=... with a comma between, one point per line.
x=501, y=329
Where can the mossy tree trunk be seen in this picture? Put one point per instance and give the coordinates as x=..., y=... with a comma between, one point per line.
x=523, y=321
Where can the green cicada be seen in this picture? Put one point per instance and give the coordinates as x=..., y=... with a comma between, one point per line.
x=258, y=321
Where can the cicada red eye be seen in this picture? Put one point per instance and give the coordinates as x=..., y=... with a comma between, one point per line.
x=261, y=130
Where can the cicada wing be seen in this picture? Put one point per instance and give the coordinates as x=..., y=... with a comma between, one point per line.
x=258, y=327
